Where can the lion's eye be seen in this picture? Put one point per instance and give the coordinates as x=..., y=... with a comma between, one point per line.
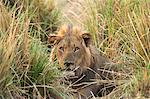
x=61, y=48
x=76, y=49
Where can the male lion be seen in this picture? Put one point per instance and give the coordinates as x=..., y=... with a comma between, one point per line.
x=75, y=54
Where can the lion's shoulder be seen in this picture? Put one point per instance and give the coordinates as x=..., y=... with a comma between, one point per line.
x=98, y=58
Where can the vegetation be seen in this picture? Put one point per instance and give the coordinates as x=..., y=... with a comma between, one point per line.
x=120, y=29
x=24, y=58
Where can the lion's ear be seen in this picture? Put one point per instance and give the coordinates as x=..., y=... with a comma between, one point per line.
x=87, y=38
x=54, y=39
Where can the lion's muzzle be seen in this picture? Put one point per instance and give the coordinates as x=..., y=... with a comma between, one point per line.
x=69, y=65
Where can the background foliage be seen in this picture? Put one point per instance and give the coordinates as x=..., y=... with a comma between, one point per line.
x=120, y=30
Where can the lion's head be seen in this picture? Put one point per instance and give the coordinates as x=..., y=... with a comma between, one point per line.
x=71, y=49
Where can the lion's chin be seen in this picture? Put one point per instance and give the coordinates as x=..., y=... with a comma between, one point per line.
x=69, y=74
x=72, y=74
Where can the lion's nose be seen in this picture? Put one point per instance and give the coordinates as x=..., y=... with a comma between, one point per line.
x=68, y=63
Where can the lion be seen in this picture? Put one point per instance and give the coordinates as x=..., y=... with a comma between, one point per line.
x=84, y=64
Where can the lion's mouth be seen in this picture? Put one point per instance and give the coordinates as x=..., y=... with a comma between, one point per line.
x=70, y=73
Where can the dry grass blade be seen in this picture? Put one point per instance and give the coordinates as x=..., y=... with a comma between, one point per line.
x=5, y=18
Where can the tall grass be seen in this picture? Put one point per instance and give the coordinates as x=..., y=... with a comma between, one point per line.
x=25, y=70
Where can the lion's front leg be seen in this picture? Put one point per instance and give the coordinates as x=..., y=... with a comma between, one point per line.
x=87, y=92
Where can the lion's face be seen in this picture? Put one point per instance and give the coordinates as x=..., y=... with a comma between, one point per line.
x=72, y=51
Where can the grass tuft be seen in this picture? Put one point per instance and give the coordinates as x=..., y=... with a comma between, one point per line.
x=24, y=58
